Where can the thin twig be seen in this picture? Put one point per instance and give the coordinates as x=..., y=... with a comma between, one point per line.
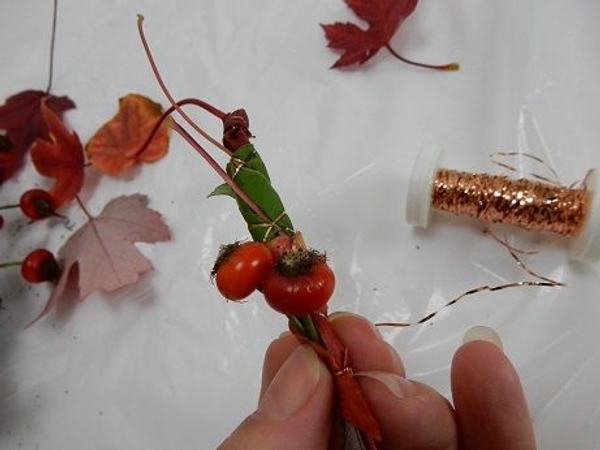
x=52, y=40
x=9, y=206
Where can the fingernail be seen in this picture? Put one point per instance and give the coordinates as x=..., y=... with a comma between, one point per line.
x=481, y=333
x=292, y=386
x=340, y=314
x=399, y=386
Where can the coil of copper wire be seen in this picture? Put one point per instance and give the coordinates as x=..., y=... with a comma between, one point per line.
x=523, y=202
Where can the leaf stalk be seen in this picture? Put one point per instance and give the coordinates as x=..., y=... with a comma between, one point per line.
x=447, y=67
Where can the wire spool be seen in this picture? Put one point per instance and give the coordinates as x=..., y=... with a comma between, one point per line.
x=528, y=204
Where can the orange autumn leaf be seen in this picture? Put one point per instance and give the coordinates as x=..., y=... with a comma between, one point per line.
x=116, y=145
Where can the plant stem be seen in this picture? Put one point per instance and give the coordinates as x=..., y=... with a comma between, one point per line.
x=216, y=112
x=309, y=328
x=10, y=264
x=303, y=323
x=167, y=114
x=52, y=40
x=449, y=67
x=297, y=323
x=305, y=326
x=83, y=208
x=9, y=206
x=222, y=173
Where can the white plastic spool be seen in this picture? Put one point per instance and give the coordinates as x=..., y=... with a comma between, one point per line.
x=585, y=247
x=418, y=201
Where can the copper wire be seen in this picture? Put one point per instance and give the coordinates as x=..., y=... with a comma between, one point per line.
x=533, y=205
x=540, y=281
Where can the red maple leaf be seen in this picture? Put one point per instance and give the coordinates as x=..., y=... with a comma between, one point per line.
x=60, y=157
x=101, y=255
x=22, y=121
x=383, y=17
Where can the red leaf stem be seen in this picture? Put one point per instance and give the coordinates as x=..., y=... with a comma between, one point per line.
x=449, y=67
x=165, y=115
x=217, y=168
x=216, y=112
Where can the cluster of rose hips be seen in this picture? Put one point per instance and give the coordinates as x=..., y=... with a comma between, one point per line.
x=294, y=280
x=36, y=204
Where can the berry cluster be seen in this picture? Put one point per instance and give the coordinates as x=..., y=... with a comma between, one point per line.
x=293, y=279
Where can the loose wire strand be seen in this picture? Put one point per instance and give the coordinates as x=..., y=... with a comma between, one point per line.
x=477, y=290
x=541, y=281
x=554, y=179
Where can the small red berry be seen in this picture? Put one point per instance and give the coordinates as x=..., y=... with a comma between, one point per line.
x=40, y=265
x=300, y=283
x=37, y=204
x=241, y=268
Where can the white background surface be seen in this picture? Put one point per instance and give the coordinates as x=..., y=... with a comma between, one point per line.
x=167, y=363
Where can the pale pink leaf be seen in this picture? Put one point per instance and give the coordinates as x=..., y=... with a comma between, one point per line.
x=101, y=255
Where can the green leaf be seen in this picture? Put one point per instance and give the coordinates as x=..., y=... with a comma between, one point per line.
x=223, y=189
x=247, y=156
x=265, y=196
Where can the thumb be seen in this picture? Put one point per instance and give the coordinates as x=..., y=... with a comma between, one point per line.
x=295, y=410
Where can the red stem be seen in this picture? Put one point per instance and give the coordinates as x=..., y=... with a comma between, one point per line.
x=186, y=101
x=450, y=66
x=214, y=111
x=222, y=173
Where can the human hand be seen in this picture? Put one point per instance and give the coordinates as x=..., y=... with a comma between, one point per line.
x=296, y=400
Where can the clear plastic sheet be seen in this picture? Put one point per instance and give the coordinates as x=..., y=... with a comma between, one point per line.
x=167, y=363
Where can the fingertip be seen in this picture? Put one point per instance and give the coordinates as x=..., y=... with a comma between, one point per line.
x=366, y=347
x=481, y=353
x=482, y=333
x=489, y=400
x=410, y=414
x=349, y=319
x=292, y=387
x=295, y=410
x=278, y=351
